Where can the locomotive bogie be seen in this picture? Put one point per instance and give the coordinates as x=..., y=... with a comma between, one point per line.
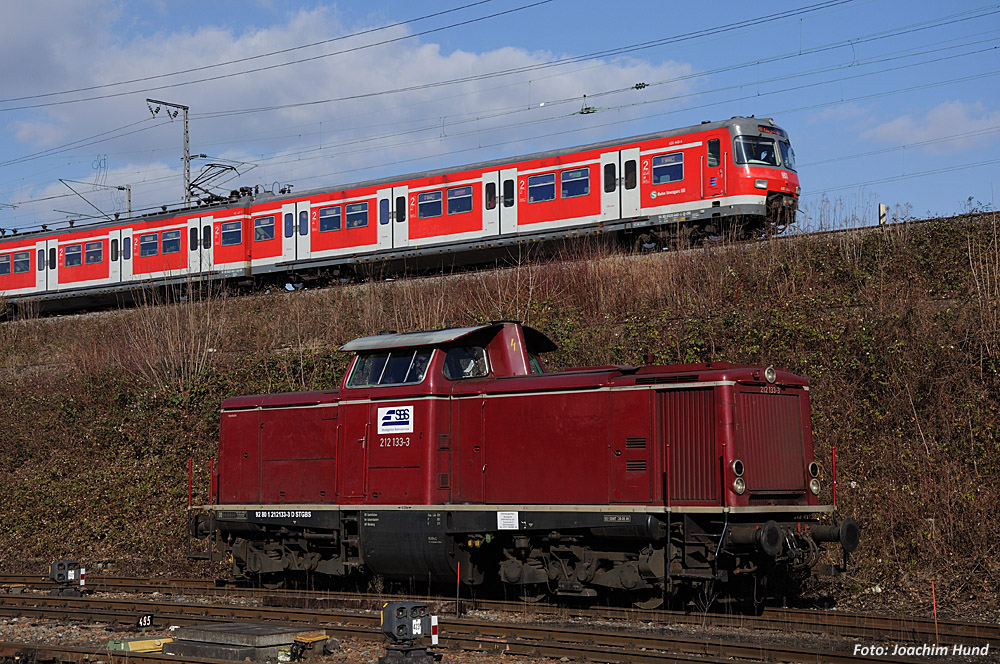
x=452, y=454
x=688, y=183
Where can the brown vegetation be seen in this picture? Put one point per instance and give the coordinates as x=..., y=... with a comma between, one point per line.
x=897, y=328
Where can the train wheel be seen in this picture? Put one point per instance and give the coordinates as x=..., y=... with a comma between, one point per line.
x=653, y=600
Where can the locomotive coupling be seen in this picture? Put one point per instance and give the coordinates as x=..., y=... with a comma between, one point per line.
x=767, y=538
x=847, y=532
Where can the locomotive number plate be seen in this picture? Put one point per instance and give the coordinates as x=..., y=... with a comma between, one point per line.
x=394, y=441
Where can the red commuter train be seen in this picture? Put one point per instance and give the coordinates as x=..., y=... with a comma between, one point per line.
x=453, y=452
x=709, y=179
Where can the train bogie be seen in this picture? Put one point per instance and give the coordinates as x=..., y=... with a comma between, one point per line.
x=453, y=453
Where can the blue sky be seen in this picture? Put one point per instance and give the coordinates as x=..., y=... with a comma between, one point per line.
x=885, y=101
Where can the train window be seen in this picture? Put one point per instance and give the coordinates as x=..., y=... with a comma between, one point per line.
x=356, y=215
x=610, y=179
x=114, y=247
x=542, y=188
x=52, y=258
x=466, y=362
x=73, y=255
x=398, y=367
x=508, y=193
x=787, y=155
x=5, y=264
x=93, y=253
x=714, y=152
x=429, y=204
x=149, y=245
x=459, y=200
x=206, y=238
x=630, y=172
x=491, y=195
x=304, y=222
x=754, y=151
x=575, y=182
x=289, y=225
x=400, y=209
x=41, y=260
x=329, y=219
x=172, y=242
x=668, y=168
x=383, y=211
x=232, y=233
x=22, y=262
x=263, y=228
x=192, y=243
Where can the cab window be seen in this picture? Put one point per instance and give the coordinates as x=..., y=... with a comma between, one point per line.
x=466, y=362
x=396, y=367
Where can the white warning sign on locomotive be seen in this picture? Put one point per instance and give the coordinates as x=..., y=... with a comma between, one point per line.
x=395, y=419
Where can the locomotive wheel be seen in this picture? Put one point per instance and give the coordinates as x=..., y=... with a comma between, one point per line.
x=653, y=600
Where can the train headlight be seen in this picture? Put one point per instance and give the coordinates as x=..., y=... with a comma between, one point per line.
x=770, y=375
x=798, y=190
x=760, y=183
x=814, y=486
x=738, y=468
x=739, y=486
x=813, y=469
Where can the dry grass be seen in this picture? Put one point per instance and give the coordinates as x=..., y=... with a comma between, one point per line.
x=895, y=327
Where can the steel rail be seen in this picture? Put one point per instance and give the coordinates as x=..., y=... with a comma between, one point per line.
x=538, y=640
x=826, y=623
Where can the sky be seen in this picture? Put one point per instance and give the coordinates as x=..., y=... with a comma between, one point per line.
x=885, y=101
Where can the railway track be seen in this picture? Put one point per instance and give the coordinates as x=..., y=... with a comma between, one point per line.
x=539, y=640
x=805, y=621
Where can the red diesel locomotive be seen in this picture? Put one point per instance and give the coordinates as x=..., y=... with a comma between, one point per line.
x=453, y=452
x=718, y=177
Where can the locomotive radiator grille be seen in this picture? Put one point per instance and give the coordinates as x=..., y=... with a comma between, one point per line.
x=769, y=441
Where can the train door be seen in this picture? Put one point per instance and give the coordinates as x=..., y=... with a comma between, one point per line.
x=610, y=186
x=205, y=259
x=491, y=203
x=295, y=231
x=397, y=216
x=383, y=218
x=125, y=255
x=630, y=199
x=194, y=246
x=468, y=419
x=114, y=256
x=508, y=201
x=713, y=175
x=631, y=448
x=352, y=448
x=41, y=258
x=52, y=265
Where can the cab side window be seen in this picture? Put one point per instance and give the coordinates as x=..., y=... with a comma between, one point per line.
x=398, y=367
x=466, y=362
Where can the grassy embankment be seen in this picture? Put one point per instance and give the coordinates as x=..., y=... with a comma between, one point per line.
x=896, y=328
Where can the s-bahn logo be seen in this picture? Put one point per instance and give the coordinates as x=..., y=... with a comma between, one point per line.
x=397, y=419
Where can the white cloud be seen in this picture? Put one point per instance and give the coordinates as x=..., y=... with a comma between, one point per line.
x=951, y=118
x=62, y=45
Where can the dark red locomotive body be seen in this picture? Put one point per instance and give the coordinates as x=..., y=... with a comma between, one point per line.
x=454, y=446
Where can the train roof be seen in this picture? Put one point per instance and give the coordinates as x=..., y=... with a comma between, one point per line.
x=537, y=342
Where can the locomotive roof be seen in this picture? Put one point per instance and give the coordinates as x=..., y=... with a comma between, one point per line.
x=536, y=341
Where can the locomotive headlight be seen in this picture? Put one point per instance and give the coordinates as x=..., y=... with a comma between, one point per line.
x=813, y=469
x=814, y=486
x=740, y=485
x=738, y=468
x=760, y=183
x=798, y=190
x=770, y=375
